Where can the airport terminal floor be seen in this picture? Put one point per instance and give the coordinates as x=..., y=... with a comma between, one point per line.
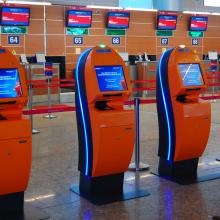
x=54, y=169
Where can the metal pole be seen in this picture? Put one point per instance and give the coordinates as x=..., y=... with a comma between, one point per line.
x=213, y=88
x=49, y=115
x=137, y=165
x=30, y=101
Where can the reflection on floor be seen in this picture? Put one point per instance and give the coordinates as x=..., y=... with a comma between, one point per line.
x=54, y=168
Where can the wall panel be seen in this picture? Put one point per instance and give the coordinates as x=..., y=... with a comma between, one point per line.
x=140, y=37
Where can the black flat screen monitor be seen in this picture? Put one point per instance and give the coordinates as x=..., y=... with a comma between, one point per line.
x=11, y=16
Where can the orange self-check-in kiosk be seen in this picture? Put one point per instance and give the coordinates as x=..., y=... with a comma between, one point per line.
x=184, y=119
x=106, y=130
x=15, y=135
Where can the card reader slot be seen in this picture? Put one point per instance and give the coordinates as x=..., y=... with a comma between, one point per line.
x=9, y=102
x=183, y=98
x=108, y=95
x=193, y=89
x=103, y=106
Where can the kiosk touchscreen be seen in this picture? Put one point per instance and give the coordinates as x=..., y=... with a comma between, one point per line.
x=15, y=136
x=184, y=119
x=106, y=130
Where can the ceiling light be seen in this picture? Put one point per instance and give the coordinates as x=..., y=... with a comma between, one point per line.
x=215, y=13
x=103, y=7
x=28, y=3
x=212, y=3
x=196, y=12
x=140, y=9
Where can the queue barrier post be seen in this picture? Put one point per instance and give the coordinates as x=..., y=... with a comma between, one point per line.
x=49, y=115
x=137, y=165
x=30, y=99
x=213, y=87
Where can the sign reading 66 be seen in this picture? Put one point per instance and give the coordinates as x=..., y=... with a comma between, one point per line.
x=116, y=40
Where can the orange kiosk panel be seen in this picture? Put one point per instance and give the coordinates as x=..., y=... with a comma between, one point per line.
x=106, y=131
x=184, y=119
x=15, y=136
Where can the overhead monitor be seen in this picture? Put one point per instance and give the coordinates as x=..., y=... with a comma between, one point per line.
x=166, y=22
x=118, y=20
x=11, y=16
x=198, y=23
x=10, y=85
x=191, y=74
x=110, y=78
x=79, y=18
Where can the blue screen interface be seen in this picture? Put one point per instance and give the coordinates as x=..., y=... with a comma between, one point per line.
x=191, y=74
x=10, y=86
x=111, y=78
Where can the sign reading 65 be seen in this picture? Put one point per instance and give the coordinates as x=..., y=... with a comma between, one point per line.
x=78, y=40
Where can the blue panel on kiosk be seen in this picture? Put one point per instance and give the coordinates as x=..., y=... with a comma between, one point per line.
x=10, y=86
x=165, y=111
x=83, y=120
x=191, y=74
x=110, y=78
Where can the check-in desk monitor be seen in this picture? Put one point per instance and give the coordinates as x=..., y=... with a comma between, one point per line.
x=106, y=130
x=184, y=119
x=15, y=136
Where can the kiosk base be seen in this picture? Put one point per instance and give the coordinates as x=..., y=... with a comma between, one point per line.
x=12, y=207
x=106, y=189
x=182, y=172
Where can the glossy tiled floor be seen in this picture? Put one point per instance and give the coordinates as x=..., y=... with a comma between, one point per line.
x=54, y=168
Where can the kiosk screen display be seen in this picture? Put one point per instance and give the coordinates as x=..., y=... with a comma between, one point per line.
x=191, y=74
x=10, y=86
x=111, y=78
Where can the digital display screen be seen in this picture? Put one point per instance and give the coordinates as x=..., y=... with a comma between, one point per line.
x=111, y=78
x=118, y=20
x=198, y=23
x=166, y=22
x=15, y=16
x=10, y=86
x=79, y=18
x=191, y=74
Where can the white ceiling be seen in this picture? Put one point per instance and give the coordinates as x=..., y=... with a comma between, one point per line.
x=181, y=5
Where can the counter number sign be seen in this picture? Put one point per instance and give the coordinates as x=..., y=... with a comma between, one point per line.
x=116, y=40
x=12, y=39
x=78, y=40
x=164, y=41
x=195, y=41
